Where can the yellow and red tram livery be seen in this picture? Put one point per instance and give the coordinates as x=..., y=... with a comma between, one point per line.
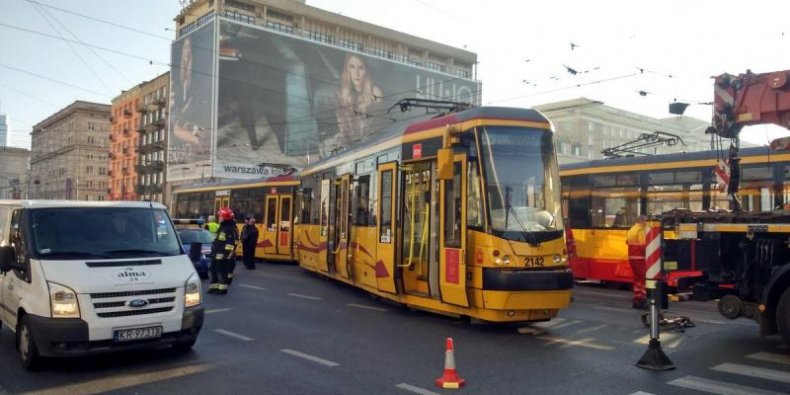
x=603, y=198
x=457, y=214
x=269, y=201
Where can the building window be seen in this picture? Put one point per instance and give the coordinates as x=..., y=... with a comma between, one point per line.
x=233, y=14
x=280, y=27
x=102, y=171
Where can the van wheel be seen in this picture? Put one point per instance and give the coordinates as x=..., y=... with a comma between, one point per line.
x=783, y=316
x=28, y=352
x=185, y=346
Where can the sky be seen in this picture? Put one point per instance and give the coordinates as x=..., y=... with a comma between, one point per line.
x=668, y=49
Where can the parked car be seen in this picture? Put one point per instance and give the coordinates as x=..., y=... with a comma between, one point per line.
x=196, y=243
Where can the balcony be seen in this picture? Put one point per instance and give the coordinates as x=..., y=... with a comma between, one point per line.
x=125, y=131
x=111, y=156
x=148, y=189
x=142, y=108
x=112, y=137
x=112, y=119
x=141, y=128
x=127, y=113
x=109, y=173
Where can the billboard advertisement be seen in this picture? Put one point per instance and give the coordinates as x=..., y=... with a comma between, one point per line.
x=286, y=100
x=191, y=115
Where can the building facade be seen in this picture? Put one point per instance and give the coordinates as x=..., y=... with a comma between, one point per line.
x=13, y=172
x=69, y=152
x=152, y=138
x=123, y=156
x=3, y=130
x=258, y=85
x=584, y=128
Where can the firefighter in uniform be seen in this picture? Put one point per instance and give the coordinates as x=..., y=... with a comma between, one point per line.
x=635, y=238
x=222, y=252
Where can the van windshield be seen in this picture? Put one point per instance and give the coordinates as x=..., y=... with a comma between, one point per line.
x=102, y=233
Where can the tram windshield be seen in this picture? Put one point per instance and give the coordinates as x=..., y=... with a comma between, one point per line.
x=521, y=182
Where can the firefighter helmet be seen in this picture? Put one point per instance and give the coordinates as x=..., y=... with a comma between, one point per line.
x=225, y=214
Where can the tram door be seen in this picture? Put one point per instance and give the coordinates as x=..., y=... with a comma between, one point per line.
x=221, y=200
x=326, y=228
x=452, y=268
x=277, y=225
x=416, y=259
x=385, y=228
x=342, y=230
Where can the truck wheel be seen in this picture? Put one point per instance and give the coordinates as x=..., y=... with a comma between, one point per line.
x=783, y=316
x=28, y=352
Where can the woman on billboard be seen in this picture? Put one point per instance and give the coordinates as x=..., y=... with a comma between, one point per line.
x=190, y=109
x=355, y=97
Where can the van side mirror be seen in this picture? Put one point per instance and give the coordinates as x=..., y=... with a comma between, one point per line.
x=444, y=166
x=7, y=259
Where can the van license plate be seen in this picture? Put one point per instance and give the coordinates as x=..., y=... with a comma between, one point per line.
x=150, y=332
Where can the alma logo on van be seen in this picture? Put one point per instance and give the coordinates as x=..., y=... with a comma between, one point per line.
x=131, y=275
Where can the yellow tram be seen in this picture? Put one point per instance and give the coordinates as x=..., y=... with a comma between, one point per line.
x=457, y=214
x=269, y=201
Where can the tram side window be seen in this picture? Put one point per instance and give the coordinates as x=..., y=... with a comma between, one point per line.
x=474, y=206
x=182, y=207
x=361, y=197
x=614, y=207
x=205, y=205
x=271, y=214
x=757, y=189
x=452, y=205
x=577, y=200
x=305, y=203
x=240, y=203
x=255, y=204
x=385, y=214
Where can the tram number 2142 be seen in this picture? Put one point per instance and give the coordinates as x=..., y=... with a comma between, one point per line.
x=534, y=261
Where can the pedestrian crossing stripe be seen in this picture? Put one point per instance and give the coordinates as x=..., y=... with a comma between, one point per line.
x=754, y=371
x=717, y=387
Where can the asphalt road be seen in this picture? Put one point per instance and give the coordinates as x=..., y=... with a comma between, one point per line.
x=281, y=330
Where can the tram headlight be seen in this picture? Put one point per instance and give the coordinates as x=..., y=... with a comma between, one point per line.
x=559, y=258
x=505, y=260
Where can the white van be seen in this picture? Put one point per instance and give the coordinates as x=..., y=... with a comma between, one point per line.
x=79, y=278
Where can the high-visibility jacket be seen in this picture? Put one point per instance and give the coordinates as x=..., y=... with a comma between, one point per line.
x=635, y=238
x=212, y=227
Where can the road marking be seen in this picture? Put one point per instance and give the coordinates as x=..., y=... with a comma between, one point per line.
x=305, y=296
x=310, y=358
x=642, y=393
x=617, y=309
x=771, y=357
x=212, y=311
x=569, y=323
x=252, y=287
x=362, y=306
x=588, y=342
x=753, y=371
x=549, y=324
x=527, y=330
x=668, y=340
x=715, y=387
x=125, y=380
x=416, y=390
x=593, y=329
x=235, y=335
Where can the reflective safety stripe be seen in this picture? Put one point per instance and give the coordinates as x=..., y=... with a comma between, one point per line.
x=229, y=247
x=222, y=236
x=230, y=275
x=222, y=286
x=213, y=286
x=219, y=257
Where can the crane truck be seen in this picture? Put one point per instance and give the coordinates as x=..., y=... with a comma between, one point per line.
x=744, y=256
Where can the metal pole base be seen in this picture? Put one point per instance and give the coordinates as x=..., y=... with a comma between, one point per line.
x=654, y=358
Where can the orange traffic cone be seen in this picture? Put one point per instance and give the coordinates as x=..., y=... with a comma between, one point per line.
x=450, y=378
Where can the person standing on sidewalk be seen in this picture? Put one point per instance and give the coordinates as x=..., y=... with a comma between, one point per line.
x=249, y=239
x=635, y=238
